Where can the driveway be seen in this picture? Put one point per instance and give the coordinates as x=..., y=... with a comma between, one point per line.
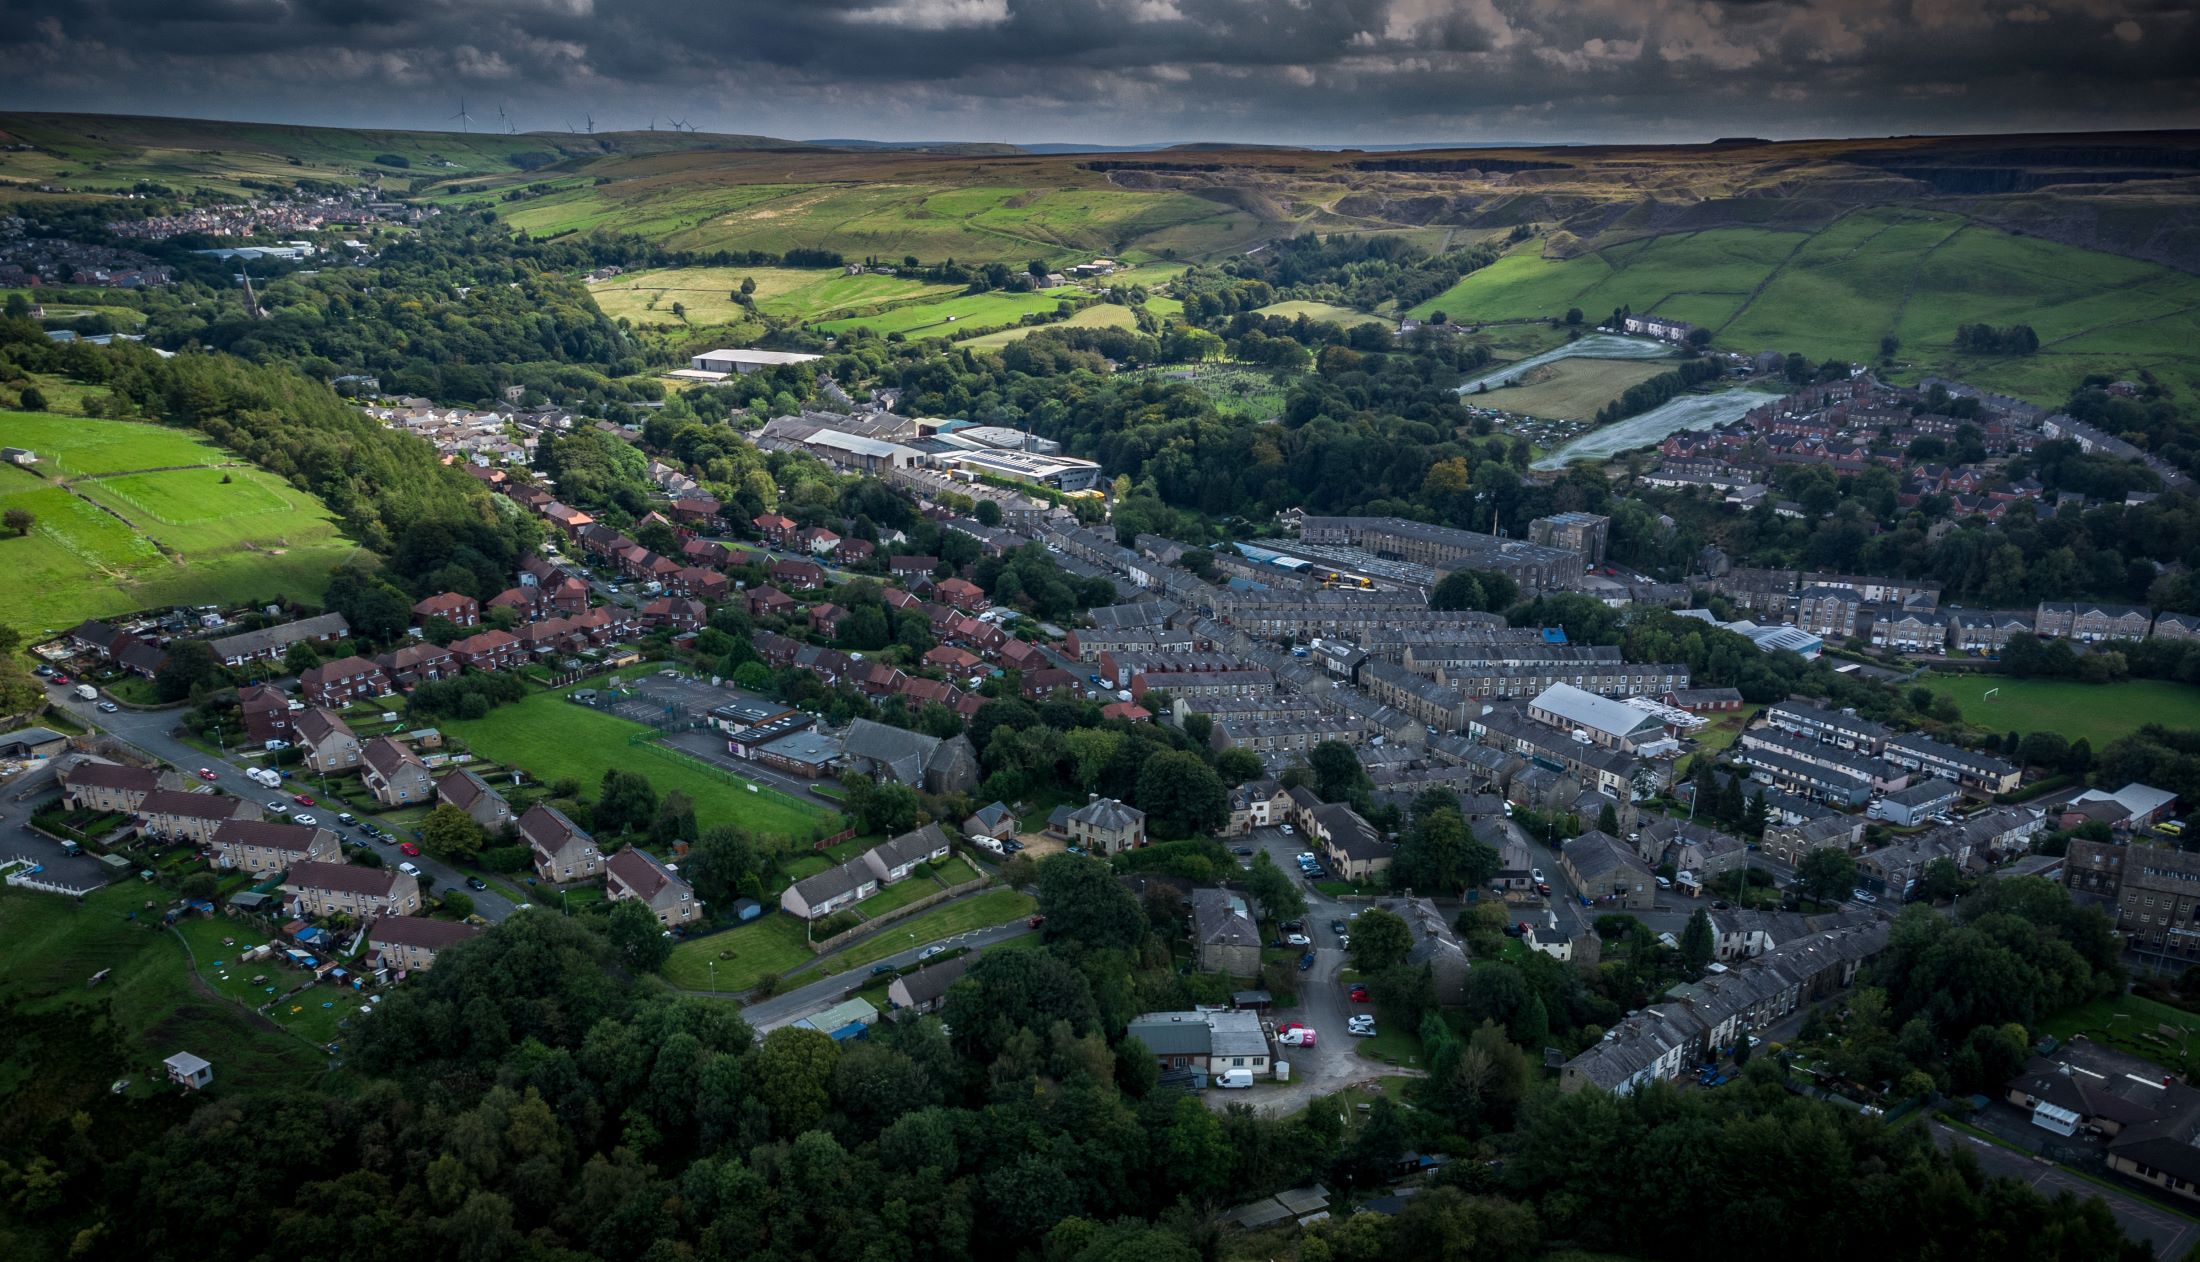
x=2169, y=1233
x=1334, y=1063
x=153, y=731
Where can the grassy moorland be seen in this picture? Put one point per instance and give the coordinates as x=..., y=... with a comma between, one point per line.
x=131, y=515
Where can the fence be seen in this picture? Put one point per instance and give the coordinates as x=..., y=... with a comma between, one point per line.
x=902, y=912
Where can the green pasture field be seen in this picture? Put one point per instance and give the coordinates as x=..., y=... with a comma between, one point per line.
x=60, y=311
x=2098, y=712
x=1912, y=274
x=1320, y=313
x=106, y=545
x=553, y=738
x=941, y=318
x=791, y=293
x=1100, y=315
x=1573, y=388
x=76, y=445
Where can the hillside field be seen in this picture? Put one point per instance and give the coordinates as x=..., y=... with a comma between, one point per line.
x=646, y=298
x=1571, y=389
x=941, y=318
x=132, y=516
x=1100, y=315
x=1834, y=293
x=2098, y=712
x=1320, y=313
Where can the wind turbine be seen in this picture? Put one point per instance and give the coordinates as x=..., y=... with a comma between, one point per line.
x=462, y=116
x=653, y=122
x=591, y=123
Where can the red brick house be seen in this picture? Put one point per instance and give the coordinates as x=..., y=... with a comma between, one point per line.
x=491, y=650
x=912, y=567
x=417, y=664
x=1040, y=684
x=853, y=551
x=266, y=712
x=569, y=596
x=677, y=612
x=345, y=680
x=695, y=510
x=954, y=660
x=962, y=594
x=774, y=527
x=524, y=602
x=802, y=576
x=456, y=608
x=567, y=519
x=771, y=600
x=825, y=619
x=703, y=584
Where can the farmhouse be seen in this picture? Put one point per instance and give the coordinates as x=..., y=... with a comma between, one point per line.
x=329, y=889
x=637, y=874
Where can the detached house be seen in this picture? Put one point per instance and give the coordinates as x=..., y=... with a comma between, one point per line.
x=328, y=889
x=1106, y=826
x=343, y=681
x=636, y=874
x=562, y=852
x=394, y=774
x=326, y=741
x=253, y=845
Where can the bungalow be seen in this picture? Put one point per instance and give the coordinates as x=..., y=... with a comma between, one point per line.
x=896, y=858
x=470, y=793
x=328, y=889
x=394, y=774
x=181, y=815
x=836, y=888
x=922, y=990
x=254, y=845
x=561, y=851
x=327, y=741
x=270, y=643
x=338, y=683
x=456, y=608
x=409, y=944
x=637, y=874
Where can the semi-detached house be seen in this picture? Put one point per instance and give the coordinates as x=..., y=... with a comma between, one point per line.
x=193, y=817
x=394, y=774
x=561, y=851
x=260, y=846
x=329, y=889
x=639, y=875
x=339, y=683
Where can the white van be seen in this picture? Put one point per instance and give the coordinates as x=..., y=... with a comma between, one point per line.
x=1230, y=1079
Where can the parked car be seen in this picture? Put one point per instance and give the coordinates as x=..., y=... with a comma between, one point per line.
x=346, y=818
x=408, y=869
x=307, y=820
x=406, y=847
x=1305, y=857
x=476, y=883
x=278, y=807
x=1300, y=1037
x=1297, y=940
x=1234, y=1079
x=1515, y=930
x=1358, y=995
x=207, y=773
x=1543, y=888
x=1536, y=875
x=1338, y=927
x=1286, y=828
x=1306, y=962
x=930, y=951
x=1242, y=850
x=1863, y=896
x=302, y=800
x=1035, y=922
x=1361, y=1027
x=108, y=707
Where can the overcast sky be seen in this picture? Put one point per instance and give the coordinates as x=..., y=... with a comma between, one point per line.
x=1127, y=71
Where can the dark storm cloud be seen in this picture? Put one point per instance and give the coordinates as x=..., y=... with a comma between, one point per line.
x=1123, y=70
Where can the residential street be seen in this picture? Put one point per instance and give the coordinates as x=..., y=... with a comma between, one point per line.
x=781, y=1009
x=153, y=732
x=2170, y=1234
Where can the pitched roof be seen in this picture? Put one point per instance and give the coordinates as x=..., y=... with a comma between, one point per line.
x=462, y=788
x=910, y=847
x=643, y=873
x=342, y=877
x=295, y=838
x=1108, y=815
x=928, y=984
x=316, y=724
x=419, y=931
x=389, y=758
x=111, y=775
x=547, y=827
x=189, y=805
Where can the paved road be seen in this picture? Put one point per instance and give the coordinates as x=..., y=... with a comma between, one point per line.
x=154, y=732
x=2170, y=1234
x=789, y=1006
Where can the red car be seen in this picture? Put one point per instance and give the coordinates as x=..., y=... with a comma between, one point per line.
x=61, y=679
x=1359, y=994
x=1288, y=1026
x=406, y=847
x=1035, y=922
x=302, y=800
x=207, y=773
